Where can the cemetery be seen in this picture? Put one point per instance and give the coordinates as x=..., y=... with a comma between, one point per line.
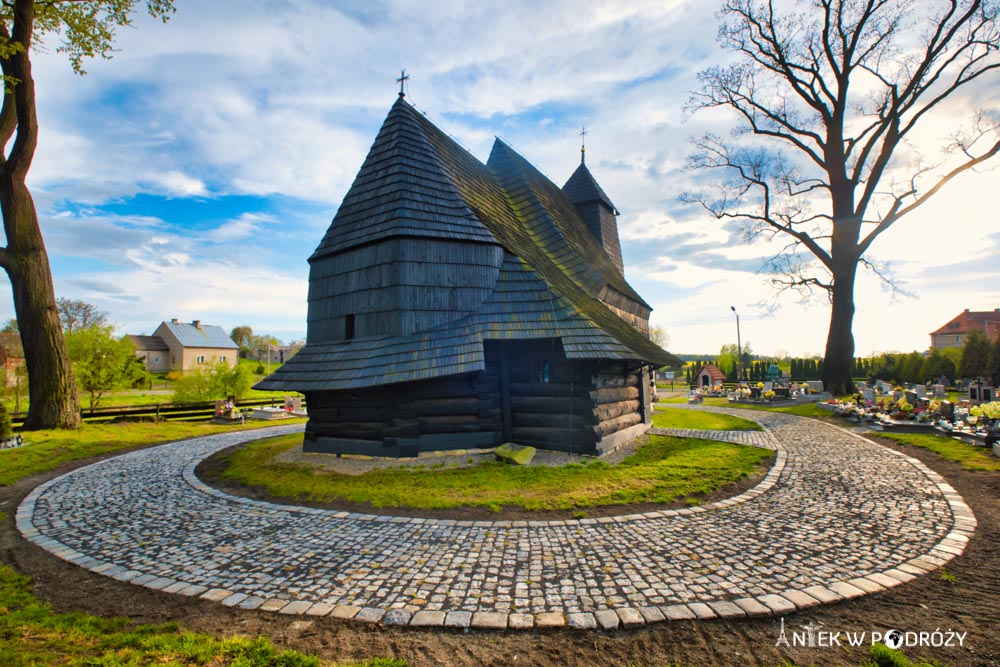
x=773, y=390
x=918, y=408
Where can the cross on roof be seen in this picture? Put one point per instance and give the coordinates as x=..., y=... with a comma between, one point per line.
x=403, y=78
x=583, y=142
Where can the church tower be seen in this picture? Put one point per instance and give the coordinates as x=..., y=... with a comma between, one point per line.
x=596, y=209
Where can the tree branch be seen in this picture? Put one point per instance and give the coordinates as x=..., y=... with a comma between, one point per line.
x=26, y=137
x=898, y=210
x=7, y=261
x=8, y=116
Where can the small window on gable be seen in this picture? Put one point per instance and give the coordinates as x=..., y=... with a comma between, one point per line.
x=349, y=327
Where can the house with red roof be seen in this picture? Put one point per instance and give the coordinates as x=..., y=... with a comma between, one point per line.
x=954, y=333
x=709, y=375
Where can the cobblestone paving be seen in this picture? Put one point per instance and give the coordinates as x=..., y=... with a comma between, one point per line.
x=837, y=517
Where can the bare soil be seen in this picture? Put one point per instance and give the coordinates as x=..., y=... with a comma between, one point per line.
x=966, y=601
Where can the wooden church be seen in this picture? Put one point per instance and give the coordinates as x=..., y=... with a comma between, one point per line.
x=457, y=305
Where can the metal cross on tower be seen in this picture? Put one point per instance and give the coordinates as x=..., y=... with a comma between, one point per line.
x=403, y=78
x=583, y=142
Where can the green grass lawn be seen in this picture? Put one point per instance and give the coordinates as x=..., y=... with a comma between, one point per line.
x=802, y=410
x=32, y=634
x=664, y=470
x=969, y=456
x=695, y=419
x=49, y=449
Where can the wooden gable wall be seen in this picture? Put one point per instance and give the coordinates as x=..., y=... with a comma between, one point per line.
x=399, y=286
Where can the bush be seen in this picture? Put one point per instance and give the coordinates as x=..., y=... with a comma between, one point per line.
x=6, y=428
x=213, y=382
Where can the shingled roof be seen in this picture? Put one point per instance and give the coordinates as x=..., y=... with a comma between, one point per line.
x=554, y=279
x=582, y=188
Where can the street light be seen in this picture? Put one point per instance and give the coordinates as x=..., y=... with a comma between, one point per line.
x=739, y=347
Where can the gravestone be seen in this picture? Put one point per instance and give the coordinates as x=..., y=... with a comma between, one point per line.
x=861, y=386
x=898, y=395
x=815, y=386
x=939, y=390
x=911, y=397
x=768, y=386
x=920, y=390
x=988, y=395
x=869, y=394
x=883, y=387
x=946, y=410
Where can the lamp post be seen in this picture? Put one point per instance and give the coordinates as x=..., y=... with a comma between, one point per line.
x=739, y=347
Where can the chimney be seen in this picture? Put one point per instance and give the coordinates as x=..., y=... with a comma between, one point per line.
x=174, y=321
x=196, y=323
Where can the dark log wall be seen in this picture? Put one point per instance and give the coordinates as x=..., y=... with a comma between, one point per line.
x=549, y=396
x=529, y=393
x=460, y=412
x=399, y=286
x=619, y=399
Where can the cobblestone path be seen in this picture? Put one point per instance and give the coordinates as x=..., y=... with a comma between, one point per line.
x=837, y=517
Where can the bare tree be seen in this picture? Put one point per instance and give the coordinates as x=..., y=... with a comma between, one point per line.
x=829, y=101
x=75, y=315
x=659, y=335
x=86, y=28
x=242, y=335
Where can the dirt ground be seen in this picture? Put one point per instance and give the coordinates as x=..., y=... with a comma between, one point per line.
x=967, y=601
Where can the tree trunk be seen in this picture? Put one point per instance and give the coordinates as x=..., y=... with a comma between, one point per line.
x=838, y=363
x=52, y=391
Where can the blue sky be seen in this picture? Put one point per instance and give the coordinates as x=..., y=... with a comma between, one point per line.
x=193, y=174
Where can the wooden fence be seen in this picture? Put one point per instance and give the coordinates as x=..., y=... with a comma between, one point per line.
x=169, y=411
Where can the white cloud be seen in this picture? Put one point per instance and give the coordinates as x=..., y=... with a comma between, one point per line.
x=177, y=184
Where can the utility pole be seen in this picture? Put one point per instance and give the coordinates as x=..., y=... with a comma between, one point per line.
x=739, y=348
